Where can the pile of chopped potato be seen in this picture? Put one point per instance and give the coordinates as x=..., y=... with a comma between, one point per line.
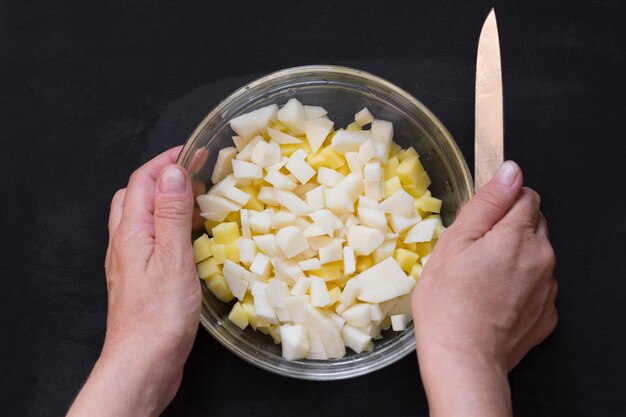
x=320, y=235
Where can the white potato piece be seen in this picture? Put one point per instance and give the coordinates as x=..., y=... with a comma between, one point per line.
x=354, y=163
x=247, y=250
x=316, y=132
x=345, y=141
x=383, y=281
x=310, y=264
x=349, y=293
x=237, y=278
x=314, y=112
x=301, y=286
x=261, y=265
x=223, y=166
x=295, y=343
x=300, y=168
x=238, y=196
x=382, y=133
x=265, y=154
x=291, y=202
x=296, y=306
x=260, y=222
x=319, y=293
x=223, y=186
x=315, y=198
x=385, y=250
x=399, y=203
x=245, y=224
x=349, y=261
x=282, y=138
x=282, y=218
x=422, y=231
x=399, y=223
x=208, y=203
x=331, y=253
x=367, y=151
x=357, y=315
x=246, y=170
x=373, y=218
x=246, y=153
x=328, y=177
x=325, y=219
x=399, y=322
x=372, y=171
x=291, y=241
x=276, y=292
x=279, y=180
x=250, y=124
x=364, y=240
x=355, y=339
x=292, y=115
x=267, y=245
x=363, y=117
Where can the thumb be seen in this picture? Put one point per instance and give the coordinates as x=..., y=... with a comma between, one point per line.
x=173, y=206
x=491, y=203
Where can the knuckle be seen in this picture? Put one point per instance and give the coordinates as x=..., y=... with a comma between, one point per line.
x=172, y=208
x=532, y=196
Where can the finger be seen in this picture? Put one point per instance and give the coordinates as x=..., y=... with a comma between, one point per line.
x=173, y=208
x=542, y=226
x=525, y=210
x=491, y=203
x=139, y=201
x=115, y=215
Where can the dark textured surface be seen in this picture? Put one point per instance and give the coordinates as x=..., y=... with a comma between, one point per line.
x=89, y=90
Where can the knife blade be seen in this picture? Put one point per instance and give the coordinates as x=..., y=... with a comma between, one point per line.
x=488, y=116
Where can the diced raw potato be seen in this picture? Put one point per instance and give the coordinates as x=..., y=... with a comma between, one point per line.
x=364, y=240
x=329, y=177
x=223, y=186
x=345, y=141
x=238, y=316
x=373, y=172
x=399, y=203
x=422, y=231
x=247, y=251
x=207, y=268
x=319, y=292
x=352, y=186
x=335, y=292
x=376, y=313
x=202, y=248
x=402, y=306
x=374, y=190
x=367, y=151
x=219, y=253
x=296, y=306
x=349, y=260
x=425, y=259
x=276, y=292
x=300, y=168
x=301, y=286
x=219, y=287
x=383, y=281
x=239, y=142
x=261, y=265
x=245, y=224
x=292, y=115
x=316, y=132
x=208, y=203
x=363, y=117
x=279, y=180
x=384, y=251
x=406, y=259
x=291, y=241
x=391, y=186
x=400, y=224
x=355, y=339
x=382, y=133
x=431, y=204
x=223, y=165
x=262, y=307
x=282, y=138
x=314, y=112
x=316, y=347
x=238, y=196
x=246, y=170
x=315, y=198
x=291, y=202
x=357, y=315
x=329, y=272
x=266, y=154
x=266, y=195
x=409, y=170
x=398, y=322
x=313, y=230
x=373, y=218
x=295, y=343
x=254, y=203
x=351, y=221
x=330, y=253
x=310, y=264
x=334, y=159
x=248, y=150
x=260, y=222
x=354, y=163
x=353, y=127
x=237, y=278
x=338, y=201
x=226, y=232
x=324, y=219
x=250, y=124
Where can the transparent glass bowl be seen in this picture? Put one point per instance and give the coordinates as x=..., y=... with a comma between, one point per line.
x=342, y=91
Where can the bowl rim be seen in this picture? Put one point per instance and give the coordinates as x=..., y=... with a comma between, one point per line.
x=401, y=350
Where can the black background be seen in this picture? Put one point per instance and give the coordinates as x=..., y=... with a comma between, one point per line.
x=89, y=90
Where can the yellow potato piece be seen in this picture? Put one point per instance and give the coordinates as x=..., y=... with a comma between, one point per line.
x=391, y=167
x=353, y=126
x=226, y=232
x=316, y=161
x=409, y=170
x=395, y=149
x=232, y=251
x=209, y=225
x=408, y=153
x=431, y=204
x=422, y=183
x=288, y=149
x=392, y=185
x=238, y=316
x=363, y=263
x=274, y=331
x=254, y=203
x=412, y=189
x=248, y=308
x=219, y=253
x=279, y=126
x=333, y=159
x=334, y=291
x=329, y=272
x=219, y=287
x=425, y=248
x=406, y=259
x=202, y=248
x=416, y=271
x=207, y=268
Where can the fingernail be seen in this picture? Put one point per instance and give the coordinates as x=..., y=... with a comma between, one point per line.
x=172, y=181
x=507, y=173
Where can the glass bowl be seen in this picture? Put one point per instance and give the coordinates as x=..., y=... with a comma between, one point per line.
x=343, y=92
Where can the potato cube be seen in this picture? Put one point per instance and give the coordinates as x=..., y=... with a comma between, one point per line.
x=317, y=161
x=287, y=150
x=425, y=248
x=412, y=189
x=238, y=316
x=248, y=307
x=395, y=149
x=363, y=263
x=226, y=232
x=219, y=287
x=344, y=170
x=391, y=167
x=202, y=248
x=234, y=217
x=409, y=170
x=334, y=291
x=329, y=272
x=207, y=268
x=232, y=251
x=254, y=203
x=416, y=271
x=219, y=253
x=353, y=126
x=408, y=153
x=406, y=259
x=392, y=185
x=333, y=159
x=423, y=182
x=430, y=204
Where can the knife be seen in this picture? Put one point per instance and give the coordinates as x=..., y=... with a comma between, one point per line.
x=488, y=117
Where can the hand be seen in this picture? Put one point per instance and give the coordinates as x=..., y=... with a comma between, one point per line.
x=485, y=298
x=154, y=295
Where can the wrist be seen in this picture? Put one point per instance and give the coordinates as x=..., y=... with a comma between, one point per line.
x=464, y=382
